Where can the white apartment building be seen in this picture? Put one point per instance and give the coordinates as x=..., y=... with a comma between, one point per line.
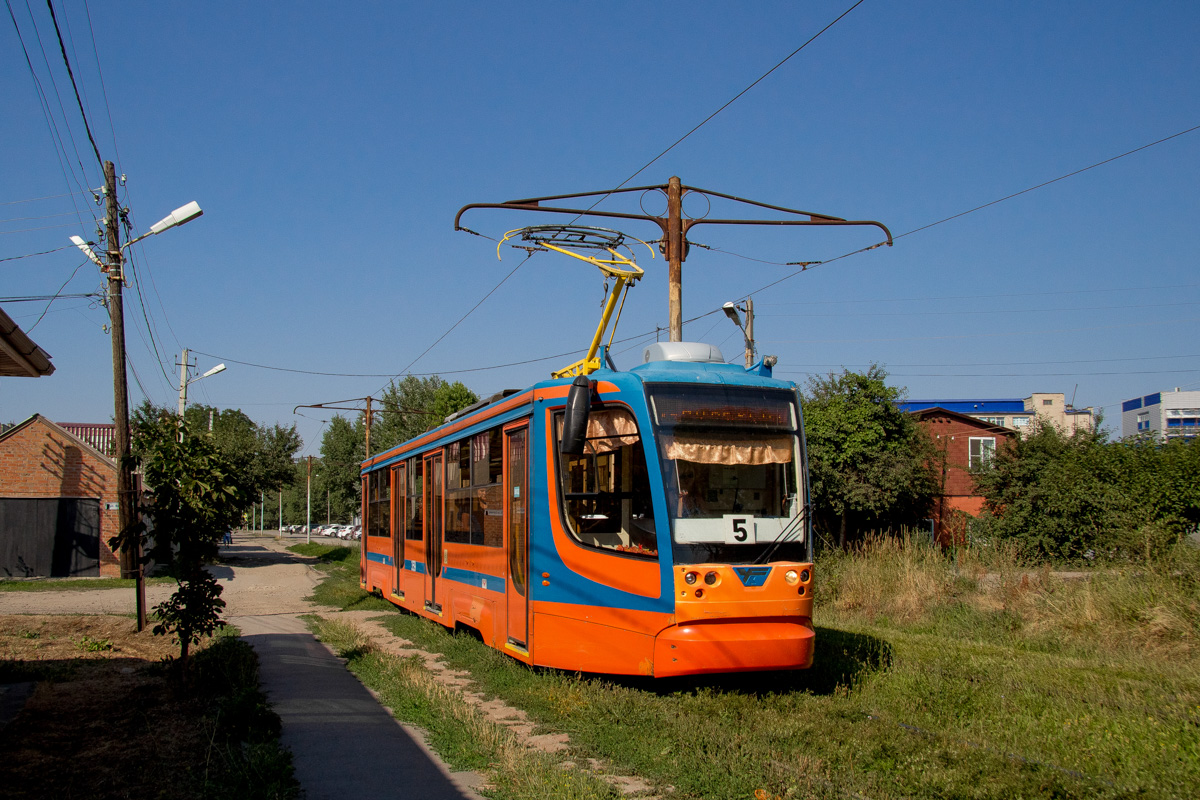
x=1169, y=415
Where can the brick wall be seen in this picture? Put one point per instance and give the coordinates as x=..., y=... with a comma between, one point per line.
x=952, y=435
x=41, y=460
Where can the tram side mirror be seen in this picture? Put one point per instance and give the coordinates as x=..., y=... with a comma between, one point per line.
x=575, y=419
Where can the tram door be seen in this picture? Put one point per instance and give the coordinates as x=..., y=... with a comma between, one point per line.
x=399, y=517
x=516, y=532
x=434, y=506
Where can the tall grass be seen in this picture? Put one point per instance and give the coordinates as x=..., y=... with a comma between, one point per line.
x=993, y=595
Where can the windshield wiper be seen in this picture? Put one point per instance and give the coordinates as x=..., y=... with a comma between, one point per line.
x=784, y=536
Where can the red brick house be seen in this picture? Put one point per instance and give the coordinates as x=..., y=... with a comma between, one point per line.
x=58, y=501
x=962, y=443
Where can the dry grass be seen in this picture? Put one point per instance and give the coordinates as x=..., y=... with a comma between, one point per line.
x=901, y=580
x=102, y=716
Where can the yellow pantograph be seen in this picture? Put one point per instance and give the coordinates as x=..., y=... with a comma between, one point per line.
x=619, y=267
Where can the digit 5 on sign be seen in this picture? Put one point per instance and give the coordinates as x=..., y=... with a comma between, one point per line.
x=739, y=529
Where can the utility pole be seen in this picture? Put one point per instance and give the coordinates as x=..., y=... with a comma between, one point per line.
x=183, y=384
x=367, y=419
x=749, y=332
x=675, y=256
x=130, y=554
x=308, y=518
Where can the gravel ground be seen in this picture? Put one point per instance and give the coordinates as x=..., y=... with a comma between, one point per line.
x=259, y=575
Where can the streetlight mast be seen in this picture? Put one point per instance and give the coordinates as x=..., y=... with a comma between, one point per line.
x=130, y=553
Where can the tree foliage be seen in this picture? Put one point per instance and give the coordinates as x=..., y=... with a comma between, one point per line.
x=193, y=497
x=337, y=485
x=260, y=457
x=870, y=464
x=1067, y=498
x=414, y=406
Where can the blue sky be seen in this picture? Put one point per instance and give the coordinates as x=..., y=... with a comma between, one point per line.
x=330, y=147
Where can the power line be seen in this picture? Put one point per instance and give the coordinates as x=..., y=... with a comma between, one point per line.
x=103, y=88
x=463, y=317
x=42, y=253
x=732, y=100
x=1019, y=363
x=805, y=266
x=983, y=335
x=47, y=197
x=71, y=75
x=57, y=295
x=642, y=169
x=1172, y=287
x=34, y=298
x=60, y=150
x=979, y=311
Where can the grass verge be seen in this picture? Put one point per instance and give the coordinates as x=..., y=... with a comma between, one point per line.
x=73, y=584
x=973, y=676
x=340, y=590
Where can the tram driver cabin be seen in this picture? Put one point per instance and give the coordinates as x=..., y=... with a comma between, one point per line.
x=650, y=521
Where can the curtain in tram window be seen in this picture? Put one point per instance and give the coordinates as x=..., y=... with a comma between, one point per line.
x=608, y=430
x=710, y=448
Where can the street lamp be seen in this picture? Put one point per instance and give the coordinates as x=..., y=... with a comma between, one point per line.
x=185, y=381
x=112, y=266
x=747, y=330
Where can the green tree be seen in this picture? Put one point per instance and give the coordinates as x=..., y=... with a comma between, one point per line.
x=1069, y=498
x=261, y=458
x=336, y=479
x=193, y=498
x=870, y=464
x=414, y=406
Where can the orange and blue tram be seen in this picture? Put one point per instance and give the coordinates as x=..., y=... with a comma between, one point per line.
x=652, y=521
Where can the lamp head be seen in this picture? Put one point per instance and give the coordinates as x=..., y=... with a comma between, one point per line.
x=179, y=216
x=731, y=311
x=213, y=371
x=87, y=251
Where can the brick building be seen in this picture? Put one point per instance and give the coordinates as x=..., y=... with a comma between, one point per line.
x=58, y=500
x=963, y=442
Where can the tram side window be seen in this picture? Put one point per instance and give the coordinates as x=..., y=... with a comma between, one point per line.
x=379, y=504
x=416, y=487
x=606, y=491
x=474, y=468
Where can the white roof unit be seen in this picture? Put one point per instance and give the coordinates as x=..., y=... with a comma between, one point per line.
x=696, y=352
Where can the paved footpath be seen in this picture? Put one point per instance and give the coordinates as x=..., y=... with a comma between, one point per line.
x=343, y=742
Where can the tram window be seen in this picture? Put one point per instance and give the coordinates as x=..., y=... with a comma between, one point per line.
x=416, y=486
x=731, y=460
x=379, y=504
x=474, y=506
x=606, y=491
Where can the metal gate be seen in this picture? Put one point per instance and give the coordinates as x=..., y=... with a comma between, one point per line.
x=55, y=537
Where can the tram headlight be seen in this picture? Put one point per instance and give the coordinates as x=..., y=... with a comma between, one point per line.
x=710, y=578
x=804, y=576
x=690, y=578
x=791, y=577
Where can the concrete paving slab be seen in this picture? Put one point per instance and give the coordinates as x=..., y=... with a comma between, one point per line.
x=343, y=742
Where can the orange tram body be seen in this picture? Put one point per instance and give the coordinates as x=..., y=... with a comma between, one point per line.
x=645, y=522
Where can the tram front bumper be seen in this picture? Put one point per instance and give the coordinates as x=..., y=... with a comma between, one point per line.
x=706, y=646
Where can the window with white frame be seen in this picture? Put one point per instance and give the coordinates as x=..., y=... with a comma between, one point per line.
x=982, y=448
x=1020, y=422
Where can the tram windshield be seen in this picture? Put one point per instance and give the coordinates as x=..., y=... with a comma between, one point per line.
x=731, y=459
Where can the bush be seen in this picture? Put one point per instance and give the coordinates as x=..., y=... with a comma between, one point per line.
x=1079, y=498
